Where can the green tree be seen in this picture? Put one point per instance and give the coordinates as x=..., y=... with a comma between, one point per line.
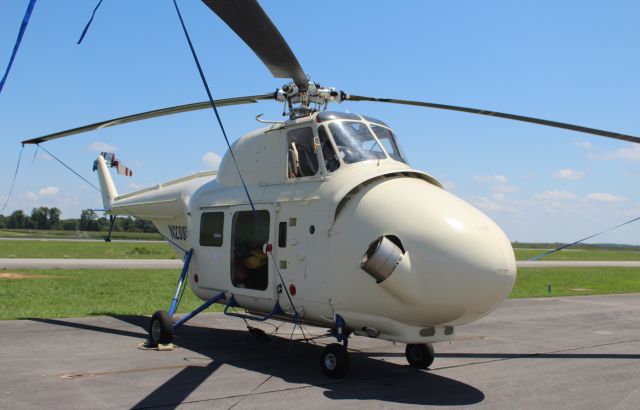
x=40, y=217
x=88, y=220
x=70, y=224
x=54, y=218
x=16, y=220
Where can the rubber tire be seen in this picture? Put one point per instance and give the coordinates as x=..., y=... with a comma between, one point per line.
x=335, y=361
x=160, y=328
x=420, y=355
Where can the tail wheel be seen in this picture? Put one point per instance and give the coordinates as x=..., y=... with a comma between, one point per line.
x=420, y=355
x=335, y=360
x=160, y=328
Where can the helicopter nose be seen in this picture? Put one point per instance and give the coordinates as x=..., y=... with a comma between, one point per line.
x=434, y=252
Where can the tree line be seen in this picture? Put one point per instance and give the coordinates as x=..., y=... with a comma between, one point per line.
x=51, y=219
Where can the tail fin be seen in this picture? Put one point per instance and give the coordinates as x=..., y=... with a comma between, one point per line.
x=106, y=182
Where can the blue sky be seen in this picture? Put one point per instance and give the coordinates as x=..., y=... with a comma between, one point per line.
x=570, y=61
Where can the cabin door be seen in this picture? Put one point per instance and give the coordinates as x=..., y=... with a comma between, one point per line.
x=252, y=270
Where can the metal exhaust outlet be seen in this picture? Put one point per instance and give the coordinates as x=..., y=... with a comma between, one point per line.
x=382, y=258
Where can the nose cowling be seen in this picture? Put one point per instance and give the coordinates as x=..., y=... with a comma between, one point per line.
x=456, y=265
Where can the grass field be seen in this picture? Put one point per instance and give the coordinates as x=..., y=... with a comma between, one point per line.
x=571, y=281
x=85, y=250
x=35, y=233
x=74, y=293
x=119, y=250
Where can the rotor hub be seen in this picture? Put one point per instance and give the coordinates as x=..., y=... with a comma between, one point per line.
x=304, y=102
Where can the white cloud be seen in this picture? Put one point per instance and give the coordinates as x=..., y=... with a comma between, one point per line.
x=212, y=160
x=631, y=174
x=504, y=188
x=135, y=186
x=48, y=191
x=604, y=197
x=555, y=195
x=584, y=144
x=569, y=174
x=487, y=205
x=490, y=179
x=102, y=147
x=498, y=203
x=630, y=153
x=449, y=185
x=43, y=156
x=29, y=196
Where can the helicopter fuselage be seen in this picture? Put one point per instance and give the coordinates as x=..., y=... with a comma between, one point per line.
x=340, y=224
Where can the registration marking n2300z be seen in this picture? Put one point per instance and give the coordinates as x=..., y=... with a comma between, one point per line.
x=178, y=232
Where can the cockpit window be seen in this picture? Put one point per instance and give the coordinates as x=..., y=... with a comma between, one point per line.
x=302, y=160
x=331, y=161
x=374, y=120
x=355, y=142
x=389, y=142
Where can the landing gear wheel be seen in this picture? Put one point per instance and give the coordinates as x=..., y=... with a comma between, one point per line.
x=160, y=328
x=335, y=360
x=420, y=355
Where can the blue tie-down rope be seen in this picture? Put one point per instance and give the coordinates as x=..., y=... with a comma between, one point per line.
x=86, y=28
x=542, y=255
x=16, y=46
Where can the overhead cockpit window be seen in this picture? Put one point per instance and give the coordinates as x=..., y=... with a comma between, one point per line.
x=331, y=161
x=389, y=142
x=374, y=120
x=355, y=142
x=302, y=159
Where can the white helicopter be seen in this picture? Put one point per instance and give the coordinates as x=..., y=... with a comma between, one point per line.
x=319, y=219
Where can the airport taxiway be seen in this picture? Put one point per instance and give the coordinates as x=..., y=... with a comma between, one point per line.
x=568, y=352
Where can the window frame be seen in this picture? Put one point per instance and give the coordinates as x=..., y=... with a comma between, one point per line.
x=203, y=231
x=287, y=132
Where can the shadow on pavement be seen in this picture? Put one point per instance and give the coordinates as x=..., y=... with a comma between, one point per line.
x=297, y=363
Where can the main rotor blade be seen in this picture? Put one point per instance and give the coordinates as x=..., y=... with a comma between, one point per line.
x=152, y=114
x=539, y=121
x=250, y=22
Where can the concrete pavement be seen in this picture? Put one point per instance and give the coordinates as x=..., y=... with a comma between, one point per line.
x=569, y=353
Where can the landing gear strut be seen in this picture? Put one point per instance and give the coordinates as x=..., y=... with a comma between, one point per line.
x=335, y=357
x=420, y=355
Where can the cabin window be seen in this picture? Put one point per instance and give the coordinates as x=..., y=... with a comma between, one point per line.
x=302, y=158
x=389, y=142
x=211, y=227
x=249, y=263
x=331, y=161
x=355, y=142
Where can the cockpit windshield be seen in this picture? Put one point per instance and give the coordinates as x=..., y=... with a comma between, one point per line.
x=389, y=142
x=355, y=142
